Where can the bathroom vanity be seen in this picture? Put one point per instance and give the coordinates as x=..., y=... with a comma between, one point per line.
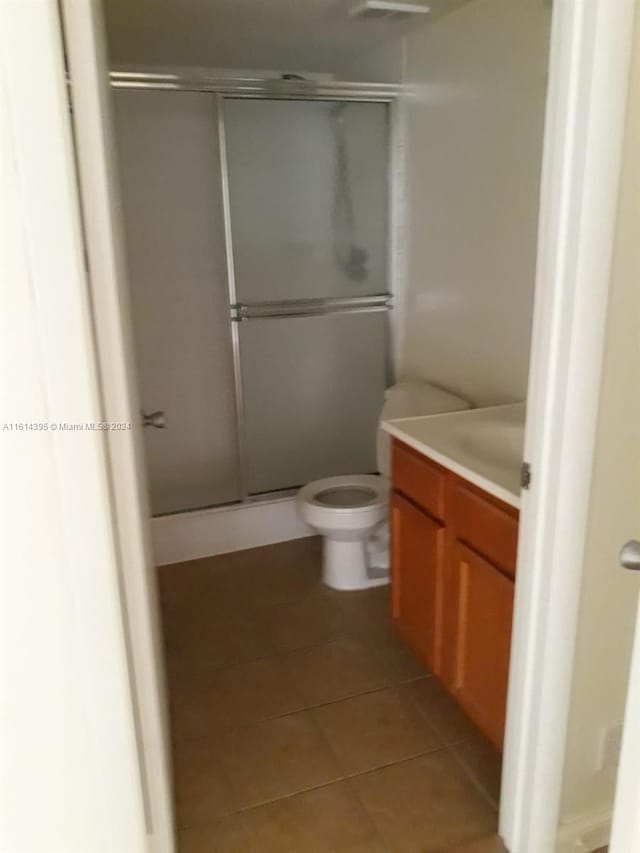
x=454, y=532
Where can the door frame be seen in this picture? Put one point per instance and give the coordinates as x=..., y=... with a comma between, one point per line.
x=97, y=186
x=585, y=116
x=73, y=752
x=583, y=138
x=223, y=90
x=625, y=832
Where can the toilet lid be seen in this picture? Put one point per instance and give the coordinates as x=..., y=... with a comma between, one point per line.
x=346, y=496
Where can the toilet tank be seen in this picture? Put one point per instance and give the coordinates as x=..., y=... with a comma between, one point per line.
x=410, y=400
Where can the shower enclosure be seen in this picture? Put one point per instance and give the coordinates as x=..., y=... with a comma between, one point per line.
x=257, y=219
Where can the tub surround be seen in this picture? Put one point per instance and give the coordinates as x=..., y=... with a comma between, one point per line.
x=483, y=446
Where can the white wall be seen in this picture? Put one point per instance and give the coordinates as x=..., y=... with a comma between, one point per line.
x=315, y=36
x=474, y=119
x=609, y=594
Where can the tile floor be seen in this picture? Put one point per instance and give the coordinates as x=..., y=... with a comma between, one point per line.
x=300, y=724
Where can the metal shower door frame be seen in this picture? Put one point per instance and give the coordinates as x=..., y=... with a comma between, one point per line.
x=314, y=89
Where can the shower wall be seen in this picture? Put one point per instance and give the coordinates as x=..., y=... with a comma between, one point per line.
x=170, y=172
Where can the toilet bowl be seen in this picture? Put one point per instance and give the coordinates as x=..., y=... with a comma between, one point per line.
x=345, y=510
x=351, y=511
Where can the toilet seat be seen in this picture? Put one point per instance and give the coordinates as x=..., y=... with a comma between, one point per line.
x=333, y=501
x=370, y=484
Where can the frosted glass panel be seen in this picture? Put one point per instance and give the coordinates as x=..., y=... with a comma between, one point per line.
x=170, y=171
x=313, y=391
x=308, y=198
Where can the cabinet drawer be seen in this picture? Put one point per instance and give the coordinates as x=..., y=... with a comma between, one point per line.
x=489, y=526
x=418, y=478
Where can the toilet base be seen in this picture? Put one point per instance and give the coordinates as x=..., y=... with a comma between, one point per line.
x=344, y=565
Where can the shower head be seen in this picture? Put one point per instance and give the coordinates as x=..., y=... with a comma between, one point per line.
x=367, y=9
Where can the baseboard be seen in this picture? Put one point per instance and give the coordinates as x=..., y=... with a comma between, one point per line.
x=203, y=533
x=585, y=833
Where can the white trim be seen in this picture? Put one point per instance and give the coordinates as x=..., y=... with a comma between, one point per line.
x=104, y=245
x=590, y=51
x=625, y=834
x=585, y=833
x=203, y=533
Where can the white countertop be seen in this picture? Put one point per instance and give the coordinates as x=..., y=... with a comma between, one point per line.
x=483, y=446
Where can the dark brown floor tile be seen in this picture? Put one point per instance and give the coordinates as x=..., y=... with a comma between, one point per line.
x=326, y=820
x=208, y=586
x=202, y=639
x=400, y=661
x=368, y=614
x=447, y=718
x=375, y=729
x=253, y=636
x=483, y=762
x=335, y=670
x=205, y=701
x=312, y=620
x=276, y=758
x=202, y=790
x=282, y=573
x=425, y=805
x=227, y=835
x=490, y=844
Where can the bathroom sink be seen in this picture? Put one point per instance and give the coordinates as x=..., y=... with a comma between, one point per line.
x=496, y=442
x=484, y=446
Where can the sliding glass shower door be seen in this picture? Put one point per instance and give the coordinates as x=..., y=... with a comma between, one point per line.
x=256, y=233
x=174, y=226
x=307, y=205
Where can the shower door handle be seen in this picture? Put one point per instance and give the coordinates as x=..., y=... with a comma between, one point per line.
x=155, y=419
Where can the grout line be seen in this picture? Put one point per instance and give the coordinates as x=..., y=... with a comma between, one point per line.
x=350, y=777
x=326, y=784
x=427, y=717
x=276, y=653
x=304, y=709
x=474, y=778
x=367, y=814
x=403, y=760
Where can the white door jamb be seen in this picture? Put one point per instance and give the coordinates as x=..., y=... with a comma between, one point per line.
x=589, y=70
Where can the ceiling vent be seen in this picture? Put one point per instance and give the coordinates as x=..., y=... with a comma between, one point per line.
x=368, y=9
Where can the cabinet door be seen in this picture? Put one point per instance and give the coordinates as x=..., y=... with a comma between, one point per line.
x=416, y=565
x=482, y=642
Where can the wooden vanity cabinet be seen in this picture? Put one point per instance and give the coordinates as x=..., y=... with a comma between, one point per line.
x=453, y=555
x=418, y=543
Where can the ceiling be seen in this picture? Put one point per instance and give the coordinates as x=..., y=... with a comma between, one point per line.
x=284, y=35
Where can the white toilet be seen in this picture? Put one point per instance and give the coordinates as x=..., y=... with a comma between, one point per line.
x=351, y=511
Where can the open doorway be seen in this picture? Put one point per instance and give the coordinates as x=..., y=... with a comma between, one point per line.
x=270, y=218
x=369, y=595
